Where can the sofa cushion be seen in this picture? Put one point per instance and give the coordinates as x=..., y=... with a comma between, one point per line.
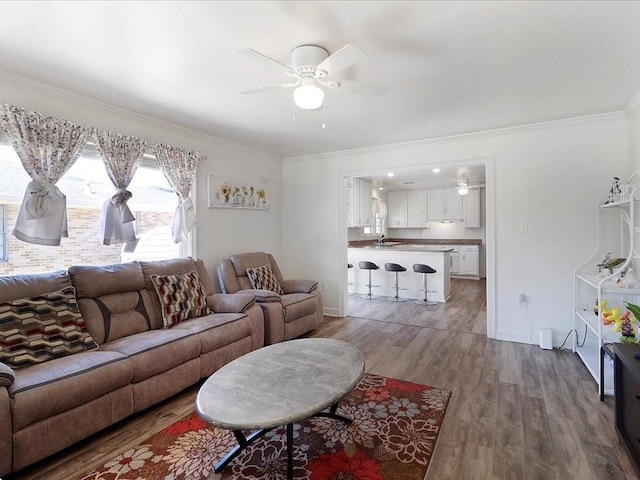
x=262, y=278
x=218, y=330
x=156, y=351
x=34, y=330
x=33, y=284
x=7, y=375
x=42, y=391
x=297, y=305
x=181, y=297
x=113, y=300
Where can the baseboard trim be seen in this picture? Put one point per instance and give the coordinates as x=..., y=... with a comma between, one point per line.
x=330, y=312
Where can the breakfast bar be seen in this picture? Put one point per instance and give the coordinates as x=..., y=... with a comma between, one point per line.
x=411, y=283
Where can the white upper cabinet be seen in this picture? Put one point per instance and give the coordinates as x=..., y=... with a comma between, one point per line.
x=407, y=209
x=359, y=203
x=397, y=210
x=417, y=209
x=472, y=208
x=444, y=204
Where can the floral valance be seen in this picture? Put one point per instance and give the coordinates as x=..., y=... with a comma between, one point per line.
x=48, y=147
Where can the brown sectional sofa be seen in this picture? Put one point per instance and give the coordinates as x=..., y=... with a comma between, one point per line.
x=49, y=406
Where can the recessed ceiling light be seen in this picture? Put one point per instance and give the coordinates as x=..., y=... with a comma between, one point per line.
x=390, y=174
x=436, y=170
x=380, y=188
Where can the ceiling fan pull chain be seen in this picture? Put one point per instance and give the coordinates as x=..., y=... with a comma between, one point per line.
x=293, y=110
x=324, y=123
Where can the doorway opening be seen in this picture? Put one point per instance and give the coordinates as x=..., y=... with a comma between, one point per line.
x=401, y=218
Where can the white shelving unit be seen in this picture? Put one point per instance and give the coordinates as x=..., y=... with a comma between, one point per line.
x=616, y=235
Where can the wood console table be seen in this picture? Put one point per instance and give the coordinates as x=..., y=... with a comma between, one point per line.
x=627, y=391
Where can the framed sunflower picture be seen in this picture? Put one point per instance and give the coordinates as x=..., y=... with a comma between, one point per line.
x=227, y=193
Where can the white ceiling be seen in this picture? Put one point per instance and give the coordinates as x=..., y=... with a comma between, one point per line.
x=451, y=67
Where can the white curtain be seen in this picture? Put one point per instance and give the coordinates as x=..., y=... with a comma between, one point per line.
x=179, y=167
x=121, y=156
x=47, y=148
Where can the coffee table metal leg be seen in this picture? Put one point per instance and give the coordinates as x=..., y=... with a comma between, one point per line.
x=290, y=451
x=332, y=414
x=243, y=442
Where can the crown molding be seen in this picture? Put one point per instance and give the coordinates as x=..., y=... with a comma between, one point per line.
x=47, y=90
x=632, y=107
x=533, y=127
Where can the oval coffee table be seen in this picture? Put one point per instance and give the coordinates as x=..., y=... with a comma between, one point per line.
x=279, y=385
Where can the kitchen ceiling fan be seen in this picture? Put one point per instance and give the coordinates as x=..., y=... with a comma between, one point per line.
x=311, y=67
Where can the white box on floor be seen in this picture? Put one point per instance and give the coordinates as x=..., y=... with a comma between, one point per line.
x=546, y=339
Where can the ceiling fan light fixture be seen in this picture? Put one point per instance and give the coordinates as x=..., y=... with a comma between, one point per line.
x=308, y=96
x=463, y=188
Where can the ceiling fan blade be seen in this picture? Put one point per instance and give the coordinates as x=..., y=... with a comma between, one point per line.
x=341, y=59
x=268, y=88
x=362, y=88
x=268, y=61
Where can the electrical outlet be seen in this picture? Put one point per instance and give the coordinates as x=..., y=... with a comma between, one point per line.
x=323, y=287
x=522, y=299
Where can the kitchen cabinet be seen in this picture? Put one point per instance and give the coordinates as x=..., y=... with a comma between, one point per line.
x=469, y=260
x=444, y=204
x=407, y=209
x=359, y=203
x=454, y=261
x=397, y=209
x=471, y=204
x=616, y=235
x=417, y=209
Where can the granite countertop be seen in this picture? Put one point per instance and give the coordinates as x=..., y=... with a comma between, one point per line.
x=415, y=242
x=408, y=248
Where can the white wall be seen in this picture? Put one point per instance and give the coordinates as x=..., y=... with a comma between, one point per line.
x=220, y=232
x=549, y=176
x=633, y=113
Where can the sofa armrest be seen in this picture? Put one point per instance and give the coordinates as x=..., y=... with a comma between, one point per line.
x=226, y=303
x=7, y=375
x=298, y=286
x=261, y=296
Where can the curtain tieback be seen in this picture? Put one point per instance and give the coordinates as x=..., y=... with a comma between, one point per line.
x=120, y=199
x=36, y=206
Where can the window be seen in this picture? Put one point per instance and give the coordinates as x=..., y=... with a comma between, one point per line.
x=87, y=186
x=3, y=233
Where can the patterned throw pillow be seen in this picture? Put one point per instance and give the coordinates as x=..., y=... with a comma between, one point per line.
x=262, y=278
x=181, y=297
x=34, y=330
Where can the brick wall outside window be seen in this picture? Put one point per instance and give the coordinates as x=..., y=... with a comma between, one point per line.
x=82, y=247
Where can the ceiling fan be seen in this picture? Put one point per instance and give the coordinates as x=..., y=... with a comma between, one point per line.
x=464, y=186
x=310, y=67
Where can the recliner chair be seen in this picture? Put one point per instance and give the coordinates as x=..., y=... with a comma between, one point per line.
x=295, y=312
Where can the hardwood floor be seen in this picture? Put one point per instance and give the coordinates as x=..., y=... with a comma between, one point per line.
x=516, y=411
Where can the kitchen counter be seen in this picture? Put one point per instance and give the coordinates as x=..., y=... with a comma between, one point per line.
x=409, y=248
x=419, y=241
x=411, y=283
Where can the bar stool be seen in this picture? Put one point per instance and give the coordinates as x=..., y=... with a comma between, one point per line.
x=394, y=267
x=369, y=266
x=425, y=270
x=349, y=284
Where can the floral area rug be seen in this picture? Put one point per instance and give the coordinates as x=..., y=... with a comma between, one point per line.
x=393, y=434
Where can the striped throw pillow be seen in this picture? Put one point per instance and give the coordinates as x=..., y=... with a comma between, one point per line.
x=34, y=330
x=262, y=278
x=181, y=297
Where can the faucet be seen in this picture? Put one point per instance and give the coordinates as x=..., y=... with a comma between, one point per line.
x=381, y=239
